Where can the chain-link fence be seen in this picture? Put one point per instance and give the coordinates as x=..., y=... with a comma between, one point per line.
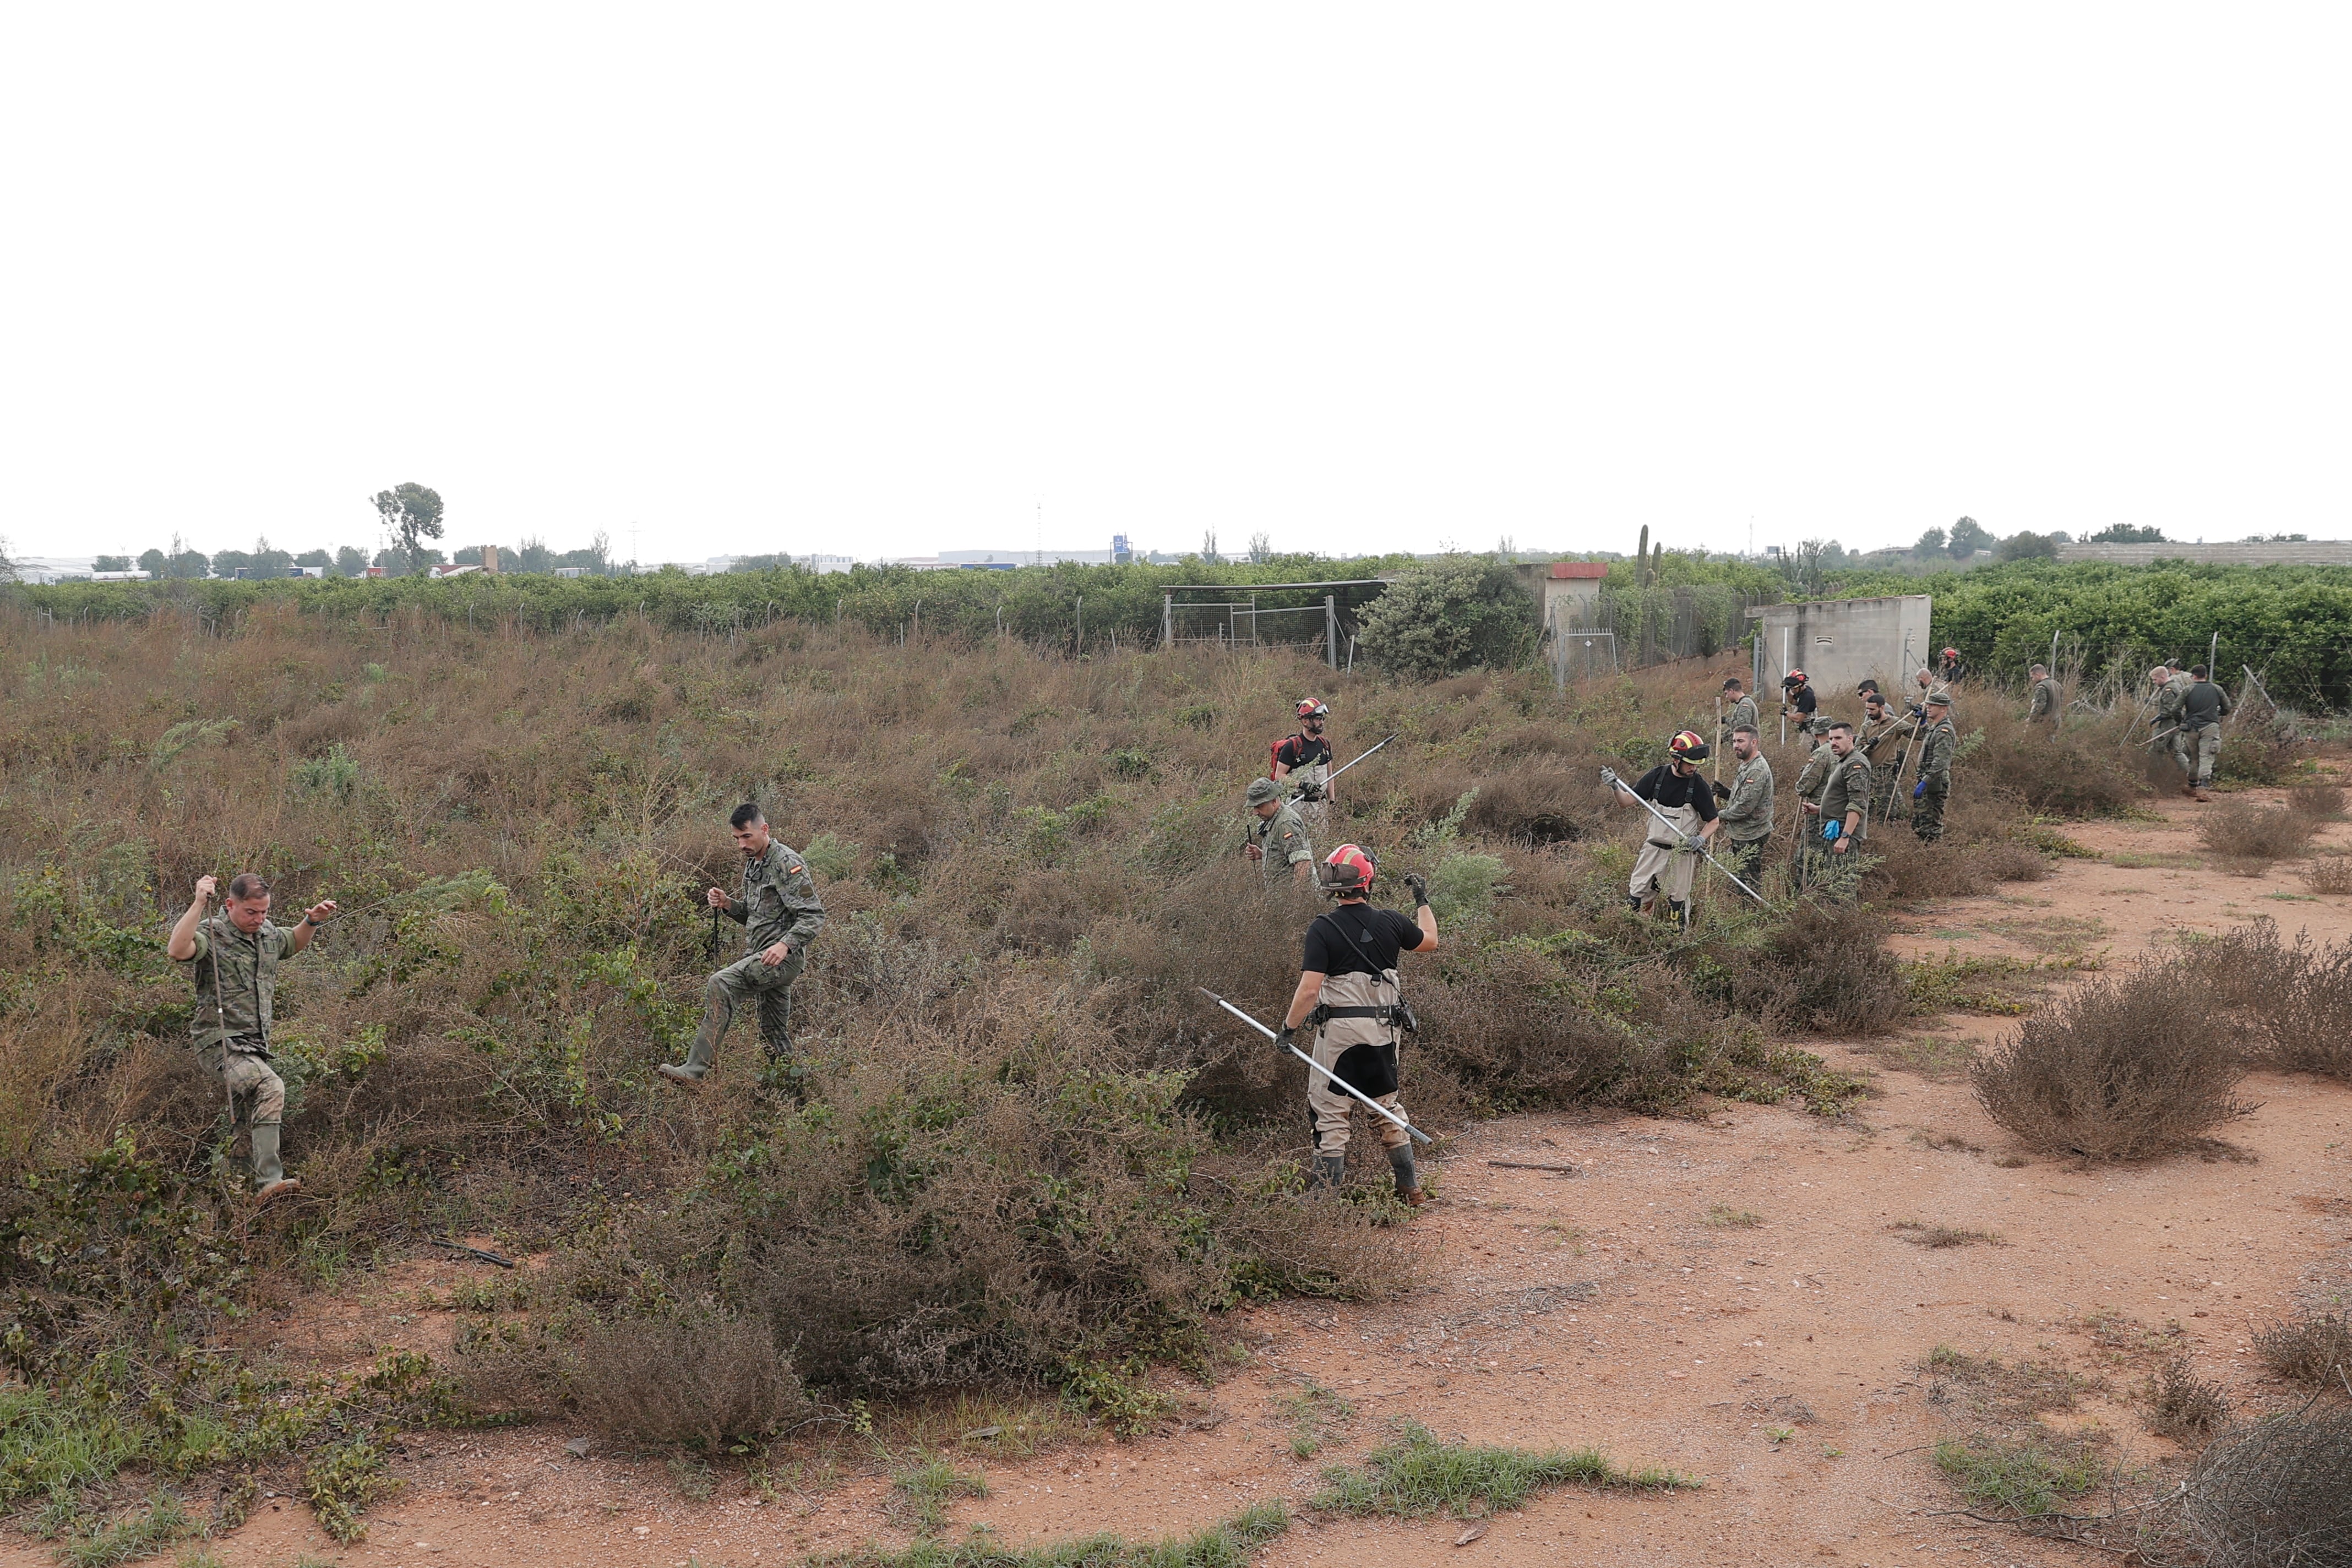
x=1630, y=628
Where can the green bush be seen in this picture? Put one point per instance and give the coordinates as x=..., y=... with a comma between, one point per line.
x=1463, y=612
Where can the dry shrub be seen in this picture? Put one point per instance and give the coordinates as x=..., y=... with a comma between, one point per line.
x=1825, y=970
x=2314, y=1350
x=2321, y=802
x=2254, y=835
x=692, y=1374
x=2329, y=874
x=2082, y=773
x=2118, y=1069
x=2288, y=1000
x=1536, y=804
x=2275, y=1494
x=1515, y=1027
x=2182, y=1405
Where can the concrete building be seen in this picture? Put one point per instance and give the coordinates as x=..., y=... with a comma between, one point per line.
x=1568, y=591
x=2268, y=552
x=1838, y=642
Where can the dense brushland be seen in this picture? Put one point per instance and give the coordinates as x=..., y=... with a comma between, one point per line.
x=2294, y=623
x=1026, y=1152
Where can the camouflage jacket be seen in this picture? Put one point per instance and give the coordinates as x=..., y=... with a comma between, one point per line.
x=1846, y=789
x=2046, y=699
x=1747, y=814
x=779, y=901
x=2169, y=703
x=237, y=982
x=1936, y=752
x=1283, y=840
x=1742, y=713
x=1816, y=772
x=1894, y=727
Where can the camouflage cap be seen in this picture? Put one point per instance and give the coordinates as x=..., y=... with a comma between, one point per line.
x=1261, y=790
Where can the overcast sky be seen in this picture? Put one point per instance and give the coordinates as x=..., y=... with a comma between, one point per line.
x=877, y=280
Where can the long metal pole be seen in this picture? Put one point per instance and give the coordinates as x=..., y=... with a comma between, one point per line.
x=1608, y=777
x=1344, y=1086
x=1352, y=762
x=1784, y=689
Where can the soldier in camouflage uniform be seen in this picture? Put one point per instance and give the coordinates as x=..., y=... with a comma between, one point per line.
x=233, y=957
x=782, y=915
x=1884, y=737
x=1746, y=810
x=1934, y=785
x=1835, y=825
x=1741, y=712
x=2045, y=706
x=2171, y=692
x=2202, y=708
x=1278, y=842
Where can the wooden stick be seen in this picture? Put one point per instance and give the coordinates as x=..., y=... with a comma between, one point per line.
x=1532, y=1165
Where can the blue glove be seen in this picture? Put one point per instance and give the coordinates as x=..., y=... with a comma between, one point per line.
x=1829, y=831
x=1918, y=789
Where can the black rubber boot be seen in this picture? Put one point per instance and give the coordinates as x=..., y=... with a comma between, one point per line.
x=1680, y=910
x=1328, y=1171
x=1408, y=1180
x=1634, y=902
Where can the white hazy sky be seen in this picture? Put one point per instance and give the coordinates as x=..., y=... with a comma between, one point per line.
x=883, y=278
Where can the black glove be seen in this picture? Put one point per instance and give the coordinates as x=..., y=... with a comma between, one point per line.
x=1283, y=1039
x=1420, y=885
x=1722, y=790
x=1311, y=792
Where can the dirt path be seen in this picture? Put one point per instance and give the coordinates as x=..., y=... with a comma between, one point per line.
x=1727, y=1298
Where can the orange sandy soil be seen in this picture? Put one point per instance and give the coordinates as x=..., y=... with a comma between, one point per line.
x=1598, y=1308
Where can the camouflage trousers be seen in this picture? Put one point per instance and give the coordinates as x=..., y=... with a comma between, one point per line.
x=256, y=1095
x=1928, y=811
x=750, y=981
x=1744, y=861
x=2208, y=741
x=256, y=1102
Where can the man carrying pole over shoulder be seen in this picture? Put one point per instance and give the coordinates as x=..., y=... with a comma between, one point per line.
x=233, y=957
x=1348, y=992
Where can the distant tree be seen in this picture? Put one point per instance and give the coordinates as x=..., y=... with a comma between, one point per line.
x=534, y=556
x=350, y=563
x=230, y=563
x=1261, y=551
x=2028, y=547
x=110, y=563
x=413, y=514
x=2275, y=538
x=1968, y=536
x=760, y=563
x=267, y=561
x=1209, y=545
x=2125, y=534
x=1931, y=543
x=407, y=563
x=154, y=562
x=8, y=563
x=318, y=561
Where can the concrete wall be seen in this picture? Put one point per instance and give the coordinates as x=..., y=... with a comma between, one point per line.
x=2301, y=552
x=1837, y=642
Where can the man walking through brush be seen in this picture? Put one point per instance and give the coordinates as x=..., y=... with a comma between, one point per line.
x=1742, y=711
x=781, y=915
x=1304, y=762
x=1842, y=815
x=1747, y=811
x=233, y=957
x=2045, y=706
x=1671, y=847
x=1349, y=991
x=1934, y=789
x=2202, y=709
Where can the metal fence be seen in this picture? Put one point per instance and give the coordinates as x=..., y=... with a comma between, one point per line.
x=1632, y=629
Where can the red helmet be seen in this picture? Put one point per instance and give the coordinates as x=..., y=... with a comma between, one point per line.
x=1349, y=870
x=1310, y=709
x=1952, y=653
x=1686, y=747
x=1794, y=677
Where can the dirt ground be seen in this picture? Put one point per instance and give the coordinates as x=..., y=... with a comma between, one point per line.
x=1726, y=1297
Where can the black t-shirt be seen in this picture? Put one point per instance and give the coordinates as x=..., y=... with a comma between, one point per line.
x=1382, y=932
x=1303, y=751
x=1670, y=789
x=1803, y=700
